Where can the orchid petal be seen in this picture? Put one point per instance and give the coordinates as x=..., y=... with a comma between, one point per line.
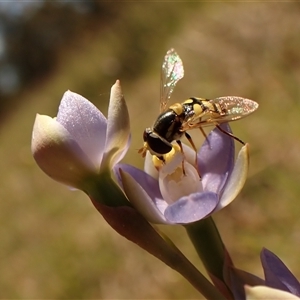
x=191, y=208
x=237, y=178
x=118, y=127
x=216, y=159
x=85, y=123
x=277, y=275
x=144, y=201
x=148, y=183
x=266, y=293
x=57, y=153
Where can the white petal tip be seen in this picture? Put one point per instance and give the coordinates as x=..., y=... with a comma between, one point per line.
x=237, y=178
x=116, y=90
x=118, y=130
x=266, y=293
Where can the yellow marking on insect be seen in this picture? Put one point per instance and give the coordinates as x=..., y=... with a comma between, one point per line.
x=177, y=108
x=167, y=158
x=188, y=101
x=197, y=109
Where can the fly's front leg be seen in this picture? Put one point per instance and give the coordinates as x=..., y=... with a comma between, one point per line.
x=189, y=138
x=205, y=136
x=181, y=149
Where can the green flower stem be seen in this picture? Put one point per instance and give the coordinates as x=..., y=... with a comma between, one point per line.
x=111, y=202
x=209, y=246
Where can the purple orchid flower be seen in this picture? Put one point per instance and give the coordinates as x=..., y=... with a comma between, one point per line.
x=81, y=149
x=169, y=196
x=80, y=142
x=279, y=282
x=277, y=275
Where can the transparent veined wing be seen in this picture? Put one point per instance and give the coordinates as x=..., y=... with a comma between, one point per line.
x=230, y=108
x=220, y=110
x=171, y=72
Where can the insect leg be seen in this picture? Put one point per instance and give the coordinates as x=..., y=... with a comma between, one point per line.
x=181, y=149
x=203, y=132
x=189, y=138
x=205, y=135
x=230, y=134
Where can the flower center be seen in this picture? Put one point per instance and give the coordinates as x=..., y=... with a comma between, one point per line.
x=173, y=183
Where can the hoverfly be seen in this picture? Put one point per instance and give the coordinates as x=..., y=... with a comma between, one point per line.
x=174, y=121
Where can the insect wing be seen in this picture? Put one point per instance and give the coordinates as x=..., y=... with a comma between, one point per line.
x=233, y=108
x=171, y=72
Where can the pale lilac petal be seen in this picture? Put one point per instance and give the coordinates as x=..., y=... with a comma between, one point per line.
x=140, y=199
x=191, y=208
x=85, y=123
x=118, y=127
x=58, y=154
x=216, y=159
x=266, y=293
x=237, y=178
x=148, y=183
x=277, y=275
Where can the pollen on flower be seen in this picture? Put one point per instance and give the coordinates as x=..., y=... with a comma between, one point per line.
x=177, y=176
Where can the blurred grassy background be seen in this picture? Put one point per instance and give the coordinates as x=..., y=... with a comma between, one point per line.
x=54, y=244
